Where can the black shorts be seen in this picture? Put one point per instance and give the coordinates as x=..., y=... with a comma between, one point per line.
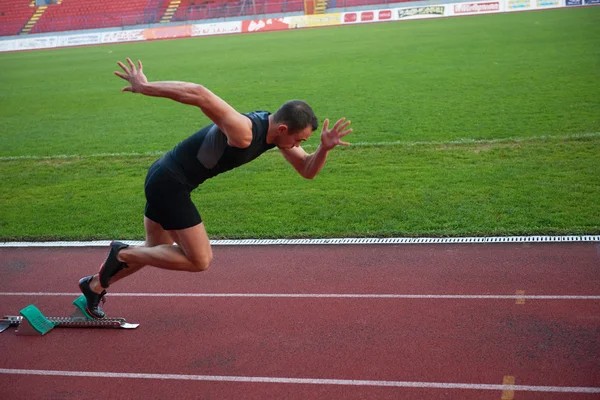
x=168, y=201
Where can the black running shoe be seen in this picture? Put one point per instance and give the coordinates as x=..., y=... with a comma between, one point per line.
x=111, y=265
x=93, y=298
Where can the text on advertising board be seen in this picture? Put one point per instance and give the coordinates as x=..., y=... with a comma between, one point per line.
x=476, y=7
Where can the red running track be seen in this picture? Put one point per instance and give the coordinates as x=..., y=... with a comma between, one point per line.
x=549, y=343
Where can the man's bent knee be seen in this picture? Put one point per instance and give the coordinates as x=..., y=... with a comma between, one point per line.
x=201, y=263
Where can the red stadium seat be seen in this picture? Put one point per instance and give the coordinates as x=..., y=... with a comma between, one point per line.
x=14, y=14
x=89, y=14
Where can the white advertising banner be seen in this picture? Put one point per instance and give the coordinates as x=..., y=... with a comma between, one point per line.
x=421, y=12
x=549, y=3
x=123, y=36
x=7, y=45
x=45, y=42
x=219, y=28
x=479, y=7
x=79, y=40
x=519, y=5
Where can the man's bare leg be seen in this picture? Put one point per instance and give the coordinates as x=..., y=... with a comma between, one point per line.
x=192, y=253
x=155, y=236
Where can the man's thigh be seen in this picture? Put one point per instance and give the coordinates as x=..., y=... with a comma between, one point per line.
x=168, y=201
x=195, y=244
x=155, y=234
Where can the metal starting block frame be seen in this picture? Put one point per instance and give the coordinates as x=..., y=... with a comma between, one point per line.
x=32, y=322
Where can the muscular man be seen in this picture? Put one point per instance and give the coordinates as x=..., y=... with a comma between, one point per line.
x=175, y=235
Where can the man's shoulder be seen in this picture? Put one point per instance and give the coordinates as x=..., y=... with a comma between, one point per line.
x=260, y=114
x=259, y=118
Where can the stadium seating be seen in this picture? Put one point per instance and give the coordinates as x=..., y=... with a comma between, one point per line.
x=274, y=7
x=205, y=9
x=192, y=10
x=87, y=14
x=14, y=14
x=157, y=4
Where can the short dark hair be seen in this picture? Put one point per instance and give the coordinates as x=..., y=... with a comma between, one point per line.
x=297, y=115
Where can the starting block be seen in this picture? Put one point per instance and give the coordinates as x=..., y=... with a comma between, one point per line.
x=32, y=322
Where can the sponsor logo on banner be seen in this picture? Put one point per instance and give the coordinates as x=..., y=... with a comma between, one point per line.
x=264, y=25
x=518, y=4
x=168, y=32
x=307, y=21
x=574, y=2
x=219, y=28
x=350, y=17
x=471, y=8
x=122, y=36
x=79, y=40
x=548, y=3
x=367, y=16
x=591, y=1
x=37, y=43
x=384, y=14
x=420, y=12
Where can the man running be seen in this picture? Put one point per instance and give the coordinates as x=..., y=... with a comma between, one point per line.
x=175, y=235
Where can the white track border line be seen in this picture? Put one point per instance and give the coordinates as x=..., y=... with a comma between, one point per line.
x=334, y=241
x=325, y=295
x=310, y=146
x=302, y=381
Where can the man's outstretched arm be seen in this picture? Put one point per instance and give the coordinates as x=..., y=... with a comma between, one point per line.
x=234, y=125
x=309, y=165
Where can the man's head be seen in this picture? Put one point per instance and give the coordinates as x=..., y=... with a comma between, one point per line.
x=295, y=121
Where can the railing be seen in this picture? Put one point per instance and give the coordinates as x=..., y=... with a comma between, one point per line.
x=228, y=10
x=101, y=20
x=10, y=28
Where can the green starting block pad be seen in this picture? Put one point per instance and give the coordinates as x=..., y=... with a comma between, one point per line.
x=32, y=322
x=81, y=309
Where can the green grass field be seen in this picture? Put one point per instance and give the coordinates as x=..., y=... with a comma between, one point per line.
x=486, y=125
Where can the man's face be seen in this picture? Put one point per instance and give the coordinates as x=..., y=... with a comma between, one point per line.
x=286, y=141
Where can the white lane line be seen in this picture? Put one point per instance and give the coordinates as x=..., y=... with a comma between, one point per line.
x=304, y=381
x=336, y=241
x=311, y=146
x=82, y=156
x=322, y=295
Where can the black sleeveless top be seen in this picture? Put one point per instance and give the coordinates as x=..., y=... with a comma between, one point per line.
x=206, y=153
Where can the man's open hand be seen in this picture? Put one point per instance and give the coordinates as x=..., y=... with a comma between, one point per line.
x=332, y=137
x=135, y=76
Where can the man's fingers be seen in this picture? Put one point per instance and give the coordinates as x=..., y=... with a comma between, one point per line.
x=343, y=127
x=337, y=124
x=120, y=64
x=349, y=131
x=121, y=75
x=126, y=89
x=344, y=143
x=131, y=64
x=326, y=124
x=140, y=64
